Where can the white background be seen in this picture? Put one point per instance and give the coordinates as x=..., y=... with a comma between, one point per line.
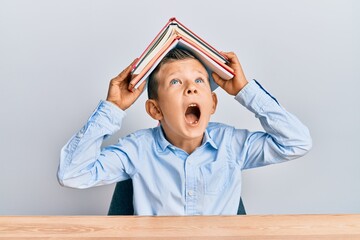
x=57, y=57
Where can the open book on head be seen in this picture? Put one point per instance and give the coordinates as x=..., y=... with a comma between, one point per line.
x=175, y=35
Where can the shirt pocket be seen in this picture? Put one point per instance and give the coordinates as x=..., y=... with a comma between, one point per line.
x=216, y=176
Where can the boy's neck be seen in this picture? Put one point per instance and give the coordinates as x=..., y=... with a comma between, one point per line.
x=188, y=145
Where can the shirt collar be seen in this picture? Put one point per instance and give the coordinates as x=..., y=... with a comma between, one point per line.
x=161, y=140
x=163, y=143
x=208, y=139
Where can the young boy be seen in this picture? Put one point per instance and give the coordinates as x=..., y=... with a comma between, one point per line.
x=185, y=166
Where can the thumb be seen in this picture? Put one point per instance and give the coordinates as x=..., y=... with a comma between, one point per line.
x=125, y=74
x=218, y=80
x=141, y=87
x=137, y=91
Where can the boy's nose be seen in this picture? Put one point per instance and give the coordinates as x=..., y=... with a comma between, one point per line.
x=191, y=89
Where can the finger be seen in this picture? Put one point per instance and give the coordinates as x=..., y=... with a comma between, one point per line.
x=218, y=80
x=228, y=54
x=129, y=68
x=125, y=74
x=231, y=57
x=234, y=62
x=140, y=89
x=135, y=94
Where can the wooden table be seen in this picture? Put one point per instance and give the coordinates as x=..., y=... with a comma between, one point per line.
x=190, y=227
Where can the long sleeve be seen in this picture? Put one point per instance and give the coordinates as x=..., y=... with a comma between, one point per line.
x=285, y=137
x=82, y=160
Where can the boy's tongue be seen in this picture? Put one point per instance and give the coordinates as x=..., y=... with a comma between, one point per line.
x=192, y=115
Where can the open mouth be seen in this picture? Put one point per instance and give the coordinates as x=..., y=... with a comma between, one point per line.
x=192, y=113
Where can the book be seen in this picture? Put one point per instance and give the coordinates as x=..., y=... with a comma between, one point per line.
x=176, y=35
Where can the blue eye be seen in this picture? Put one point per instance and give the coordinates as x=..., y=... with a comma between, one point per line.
x=174, y=81
x=199, y=80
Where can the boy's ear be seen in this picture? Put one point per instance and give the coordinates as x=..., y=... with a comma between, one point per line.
x=152, y=108
x=215, y=101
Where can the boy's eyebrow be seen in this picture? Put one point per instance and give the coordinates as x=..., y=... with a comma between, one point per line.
x=174, y=73
x=197, y=71
x=170, y=77
x=205, y=74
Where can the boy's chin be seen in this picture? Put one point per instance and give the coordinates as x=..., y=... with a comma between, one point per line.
x=197, y=129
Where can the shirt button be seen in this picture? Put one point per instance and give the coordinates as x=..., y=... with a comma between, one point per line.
x=191, y=193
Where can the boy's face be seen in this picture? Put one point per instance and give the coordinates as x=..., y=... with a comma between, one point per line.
x=185, y=101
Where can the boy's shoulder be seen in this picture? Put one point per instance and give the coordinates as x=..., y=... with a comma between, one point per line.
x=139, y=139
x=216, y=129
x=223, y=135
x=218, y=126
x=143, y=133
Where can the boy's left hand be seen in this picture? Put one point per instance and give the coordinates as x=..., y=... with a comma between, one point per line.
x=234, y=85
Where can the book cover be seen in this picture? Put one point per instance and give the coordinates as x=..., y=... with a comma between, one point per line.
x=176, y=35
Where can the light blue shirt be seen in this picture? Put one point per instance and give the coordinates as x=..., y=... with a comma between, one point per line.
x=167, y=180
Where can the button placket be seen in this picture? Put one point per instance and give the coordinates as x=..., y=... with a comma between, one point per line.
x=190, y=187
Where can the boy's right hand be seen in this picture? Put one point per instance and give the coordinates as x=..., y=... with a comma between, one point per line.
x=119, y=93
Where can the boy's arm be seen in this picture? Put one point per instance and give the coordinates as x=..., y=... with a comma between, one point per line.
x=285, y=137
x=82, y=162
